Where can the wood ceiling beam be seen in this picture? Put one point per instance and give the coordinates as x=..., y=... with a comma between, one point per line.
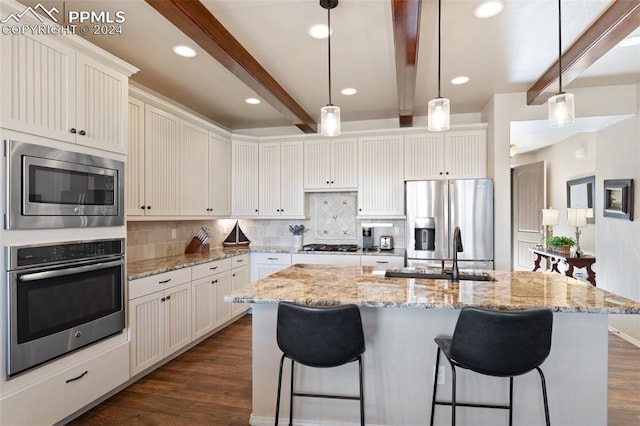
x=198, y=23
x=618, y=21
x=406, y=30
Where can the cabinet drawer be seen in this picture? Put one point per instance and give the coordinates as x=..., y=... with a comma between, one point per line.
x=55, y=398
x=165, y=280
x=238, y=261
x=210, y=268
x=326, y=259
x=383, y=262
x=271, y=258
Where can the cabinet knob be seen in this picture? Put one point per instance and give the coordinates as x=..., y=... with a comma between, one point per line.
x=163, y=299
x=446, y=173
x=327, y=182
x=82, y=133
x=214, y=281
x=256, y=210
x=72, y=130
x=440, y=173
x=143, y=207
x=168, y=297
x=148, y=207
x=277, y=210
x=359, y=210
x=331, y=182
x=233, y=275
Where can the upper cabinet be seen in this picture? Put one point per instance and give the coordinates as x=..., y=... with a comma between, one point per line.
x=281, y=192
x=331, y=164
x=135, y=202
x=219, y=176
x=244, y=179
x=57, y=92
x=455, y=154
x=380, y=176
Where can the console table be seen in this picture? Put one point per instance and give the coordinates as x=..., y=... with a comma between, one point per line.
x=571, y=262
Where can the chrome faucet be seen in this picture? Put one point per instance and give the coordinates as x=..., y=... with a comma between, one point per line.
x=457, y=247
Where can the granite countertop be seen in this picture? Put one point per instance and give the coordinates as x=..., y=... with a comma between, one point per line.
x=147, y=267
x=334, y=285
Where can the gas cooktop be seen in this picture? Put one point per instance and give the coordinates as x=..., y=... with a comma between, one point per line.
x=330, y=247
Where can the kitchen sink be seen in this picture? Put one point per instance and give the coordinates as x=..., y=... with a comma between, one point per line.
x=404, y=273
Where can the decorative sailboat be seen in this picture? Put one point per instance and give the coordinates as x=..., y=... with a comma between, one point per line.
x=236, y=237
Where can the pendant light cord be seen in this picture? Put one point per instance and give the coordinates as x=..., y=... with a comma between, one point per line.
x=329, y=48
x=439, y=41
x=560, y=46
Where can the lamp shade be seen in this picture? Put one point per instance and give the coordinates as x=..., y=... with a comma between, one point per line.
x=330, y=120
x=561, y=110
x=577, y=217
x=550, y=217
x=438, y=115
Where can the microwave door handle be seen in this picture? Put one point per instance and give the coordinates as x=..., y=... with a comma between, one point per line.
x=70, y=271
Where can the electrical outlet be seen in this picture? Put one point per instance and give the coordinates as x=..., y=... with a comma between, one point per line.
x=174, y=234
x=440, y=374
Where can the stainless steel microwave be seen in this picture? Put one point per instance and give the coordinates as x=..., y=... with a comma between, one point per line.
x=51, y=188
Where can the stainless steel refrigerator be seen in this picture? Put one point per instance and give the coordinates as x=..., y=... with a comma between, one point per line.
x=434, y=208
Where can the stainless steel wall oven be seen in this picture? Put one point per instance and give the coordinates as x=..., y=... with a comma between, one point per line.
x=52, y=188
x=62, y=297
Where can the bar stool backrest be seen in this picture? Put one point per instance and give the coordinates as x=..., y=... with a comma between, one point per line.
x=320, y=336
x=501, y=343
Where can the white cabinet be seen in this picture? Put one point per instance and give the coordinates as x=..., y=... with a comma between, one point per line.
x=455, y=154
x=239, y=279
x=330, y=164
x=281, y=191
x=382, y=261
x=210, y=283
x=380, y=176
x=265, y=264
x=135, y=160
x=60, y=94
x=326, y=259
x=219, y=178
x=159, y=317
x=194, y=166
x=244, y=180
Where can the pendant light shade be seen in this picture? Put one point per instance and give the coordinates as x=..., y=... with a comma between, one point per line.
x=561, y=106
x=329, y=114
x=439, y=112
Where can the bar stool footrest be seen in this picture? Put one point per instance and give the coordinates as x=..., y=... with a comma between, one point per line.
x=470, y=404
x=319, y=395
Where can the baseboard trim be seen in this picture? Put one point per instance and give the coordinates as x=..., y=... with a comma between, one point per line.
x=624, y=336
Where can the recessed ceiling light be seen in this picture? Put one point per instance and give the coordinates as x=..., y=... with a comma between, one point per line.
x=633, y=40
x=185, y=51
x=349, y=91
x=252, y=101
x=463, y=79
x=489, y=8
x=319, y=31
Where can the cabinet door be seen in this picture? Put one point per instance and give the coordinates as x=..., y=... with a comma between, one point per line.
x=38, y=86
x=135, y=160
x=424, y=156
x=381, y=182
x=101, y=106
x=344, y=161
x=244, y=182
x=317, y=164
x=162, y=163
x=269, y=180
x=239, y=279
x=146, y=325
x=177, y=318
x=466, y=153
x=223, y=309
x=203, y=305
x=292, y=176
x=219, y=176
x=194, y=166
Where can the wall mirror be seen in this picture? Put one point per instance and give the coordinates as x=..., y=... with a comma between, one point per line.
x=581, y=193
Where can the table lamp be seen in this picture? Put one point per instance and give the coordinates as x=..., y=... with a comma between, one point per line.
x=578, y=218
x=550, y=217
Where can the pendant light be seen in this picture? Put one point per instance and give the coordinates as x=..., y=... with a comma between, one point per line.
x=561, y=106
x=329, y=114
x=438, y=114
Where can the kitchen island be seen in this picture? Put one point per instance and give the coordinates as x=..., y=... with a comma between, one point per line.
x=402, y=316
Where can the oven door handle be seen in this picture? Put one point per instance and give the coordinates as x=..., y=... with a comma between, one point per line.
x=69, y=271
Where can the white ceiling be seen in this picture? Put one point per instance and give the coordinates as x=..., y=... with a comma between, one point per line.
x=506, y=53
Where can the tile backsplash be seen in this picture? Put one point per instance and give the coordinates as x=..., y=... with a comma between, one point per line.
x=332, y=221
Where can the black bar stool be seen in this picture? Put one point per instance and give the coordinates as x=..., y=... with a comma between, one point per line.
x=319, y=337
x=496, y=343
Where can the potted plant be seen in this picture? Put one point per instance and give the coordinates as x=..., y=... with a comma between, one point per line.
x=297, y=231
x=561, y=244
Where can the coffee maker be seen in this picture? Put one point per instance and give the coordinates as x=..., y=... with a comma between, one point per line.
x=367, y=238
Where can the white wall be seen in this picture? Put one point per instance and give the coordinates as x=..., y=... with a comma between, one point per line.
x=618, y=240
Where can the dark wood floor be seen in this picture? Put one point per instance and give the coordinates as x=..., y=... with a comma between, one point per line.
x=211, y=385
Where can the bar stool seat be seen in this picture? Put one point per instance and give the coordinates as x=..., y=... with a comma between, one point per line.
x=321, y=337
x=496, y=343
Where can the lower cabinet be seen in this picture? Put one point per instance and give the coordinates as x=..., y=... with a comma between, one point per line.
x=326, y=259
x=239, y=279
x=210, y=284
x=159, y=321
x=382, y=261
x=265, y=264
